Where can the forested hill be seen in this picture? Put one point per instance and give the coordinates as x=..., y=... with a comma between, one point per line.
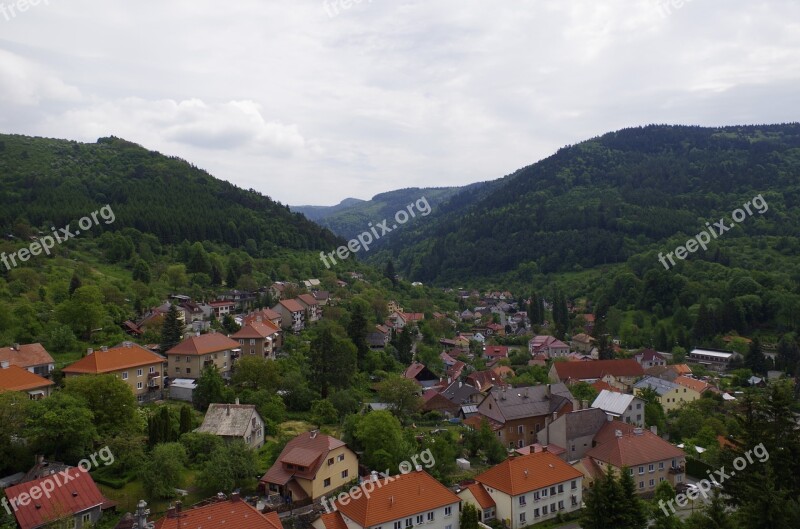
x=47, y=182
x=316, y=213
x=355, y=217
x=607, y=199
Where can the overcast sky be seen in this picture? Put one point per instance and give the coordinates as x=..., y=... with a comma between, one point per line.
x=311, y=102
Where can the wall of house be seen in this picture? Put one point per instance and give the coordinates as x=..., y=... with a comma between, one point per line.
x=317, y=488
x=440, y=520
x=131, y=377
x=178, y=364
x=647, y=480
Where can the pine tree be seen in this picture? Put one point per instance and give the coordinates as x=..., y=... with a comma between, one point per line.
x=469, y=517
x=171, y=330
x=186, y=420
x=390, y=273
x=754, y=359
x=74, y=284
x=404, y=347
x=631, y=507
x=141, y=271
x=704, y=327
x=357, y=331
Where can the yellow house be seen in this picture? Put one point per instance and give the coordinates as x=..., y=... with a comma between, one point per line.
x=138, y=367
x=672, y=395
x=188, y=358
x=310, y=466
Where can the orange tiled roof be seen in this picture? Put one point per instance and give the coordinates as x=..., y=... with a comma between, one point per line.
x=28, y=355
x=204, y=344
x=14, y=378
x=404, y=496
x=598, y=369
x=291, y=305
x=308, y=299
x=256, y=329
x=311, y=447
x=333, y=520
x=518, y=475
x=682, y=369
x=481, y=496
x=600, y=385
x=632, y=449
x=692, y=383
x=122, y=356
x=232, y=514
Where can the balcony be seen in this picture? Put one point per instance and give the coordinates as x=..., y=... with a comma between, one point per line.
x=153, y=375
x=153, y=387
x=680, y=469
x=208, y=363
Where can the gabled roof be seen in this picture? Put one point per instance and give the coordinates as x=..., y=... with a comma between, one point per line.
x=301, y=447
x=648, y=355
x=73, y=493
x=308, y=299
x=204, y=344
x=256, y=330
x=481, y=496
x=598, y=369
x=14, y=378
x=127, y=355
x=229, y=514
x=496, y=351
x=601, y=385
x=661, y=386
x=291, y=305
x=519, y=475
x=692, y=383
x=333, y=520
x=403, y=496
x=28, y=355
x=634, y=448
x=228, y=420
x=524, y=402
x=612, y=402
x=265, y=314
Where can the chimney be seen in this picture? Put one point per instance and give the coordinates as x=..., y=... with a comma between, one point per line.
x=141, y=514
x=418, y=468
x=15, y=347
x=654, y=429
x=525, y=472
x=237, y=401
x=89, y=351
x=4, y=364
x=178, y=506
x=235, y=497
x=618, y=433
x=638, y=431
x=314, y=434
x=584, y=404
x=171, y=512
x=104, y=348
x=373, y=476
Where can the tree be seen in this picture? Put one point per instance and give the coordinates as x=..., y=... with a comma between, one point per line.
x=469, y=517
x=186, y=420
x=255, y=372
x=631, y=506
x=230, y=466
x=162, y=473
x=199, y=446
x=171, y=329
x=664, y=518
x=390, y=273
x=332, y=360
x=160, y=428
x=14, y=411
x=323, y=412
x=211, y=389
x=199, y=262
x=583, y=392
x=405, y=347
x=357, y=331
x=84, y=311
x=111, y=400
x=229, y=324
x=74, y=284
x=141, y=271
x=754, y=359
x=400, y=394
x=62, y=427
x=381, y=436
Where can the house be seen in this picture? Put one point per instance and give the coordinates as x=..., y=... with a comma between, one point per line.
x=293, y=315
x=393, y=306
x=311, y=306
x=311, y=283
x=495, y=352
x=467, y=315
x=694, y=388
x=574, y=432
x=459, y=393
x=484, y=381
x=322, y=296
x=399, y=320
x=193, y=312
x=15, y=378
x=621, y=374
x=380, y=337
x=421, y=375
x=648, y=358
x=648, y=458
x=532, y=488
x=258, y=338
x=32, y=357
x=713, y=359
x=182, y=389
x=433, y=400
x=74, y=500
x=476, y=494
x=222, y=308
x=670, y=395
x=523, y=411
x=310, y=466
x=140, y=368
x=405, y=500
x=188, y=358
x=234, y=422
x=278, y=289
x=621, y=406
x=220, y=512
x=582, y=342
x=549, y=345
x=265, y=314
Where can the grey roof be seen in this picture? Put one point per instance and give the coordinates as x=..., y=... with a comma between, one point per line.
x=228, y=420
x=661, y=386
x=458, y=392
x=613, y=402
x=584, y=422
x=532, y=401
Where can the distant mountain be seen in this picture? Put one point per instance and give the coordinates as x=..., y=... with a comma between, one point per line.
x=317, y=213
x=49, y=182
x=608, y=199
x=352, y=219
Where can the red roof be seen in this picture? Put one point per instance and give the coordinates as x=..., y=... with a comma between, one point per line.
x=632, y=448
x=265, y=315
x=28, y=355
x=308, y=299
x=292, y=305
x=125, y=356
x=231, y=514
x=204, y=344
x=600, y=385
x=496, y=351
x=481, y=496
x=71, y=494
x=311, y=448
x=14, y=378
x=256, y=329
x=518, y=475
x=598, y=369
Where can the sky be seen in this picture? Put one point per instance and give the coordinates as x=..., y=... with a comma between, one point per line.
x=312, y=101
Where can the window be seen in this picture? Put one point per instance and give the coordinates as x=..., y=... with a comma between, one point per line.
x=522, y=500
x=188, y=370
x=520, y=429
x=522, y=517
x=178, y=370
x=344, y=473
x=573, y=448
x=409, y=522
x=124, y=375
x=326, y=483
x=152, y=369
x=553, y=507
x=652, y=483
x=419, y=519
x=252, y=341
x=561, y=505
x=661, y=466
x=544, y=510
x=187, y=360
x=139, y=372
x=641, y=469
x=536, y=496
x=639, y=417
x=661, y=479
x=574, y=501
x=641, y=484
x=544, y=493
x=86, y=519
x=139, y=385
x=340, y=458
x=631, y=471
x=651, y=467
x=536, y=513
x=398, y=525
x=330, y=461
x=552, y=491
x=561, y=488
x=574, y=484
x=448, y=511
x=638, y=405
x=430, y=516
